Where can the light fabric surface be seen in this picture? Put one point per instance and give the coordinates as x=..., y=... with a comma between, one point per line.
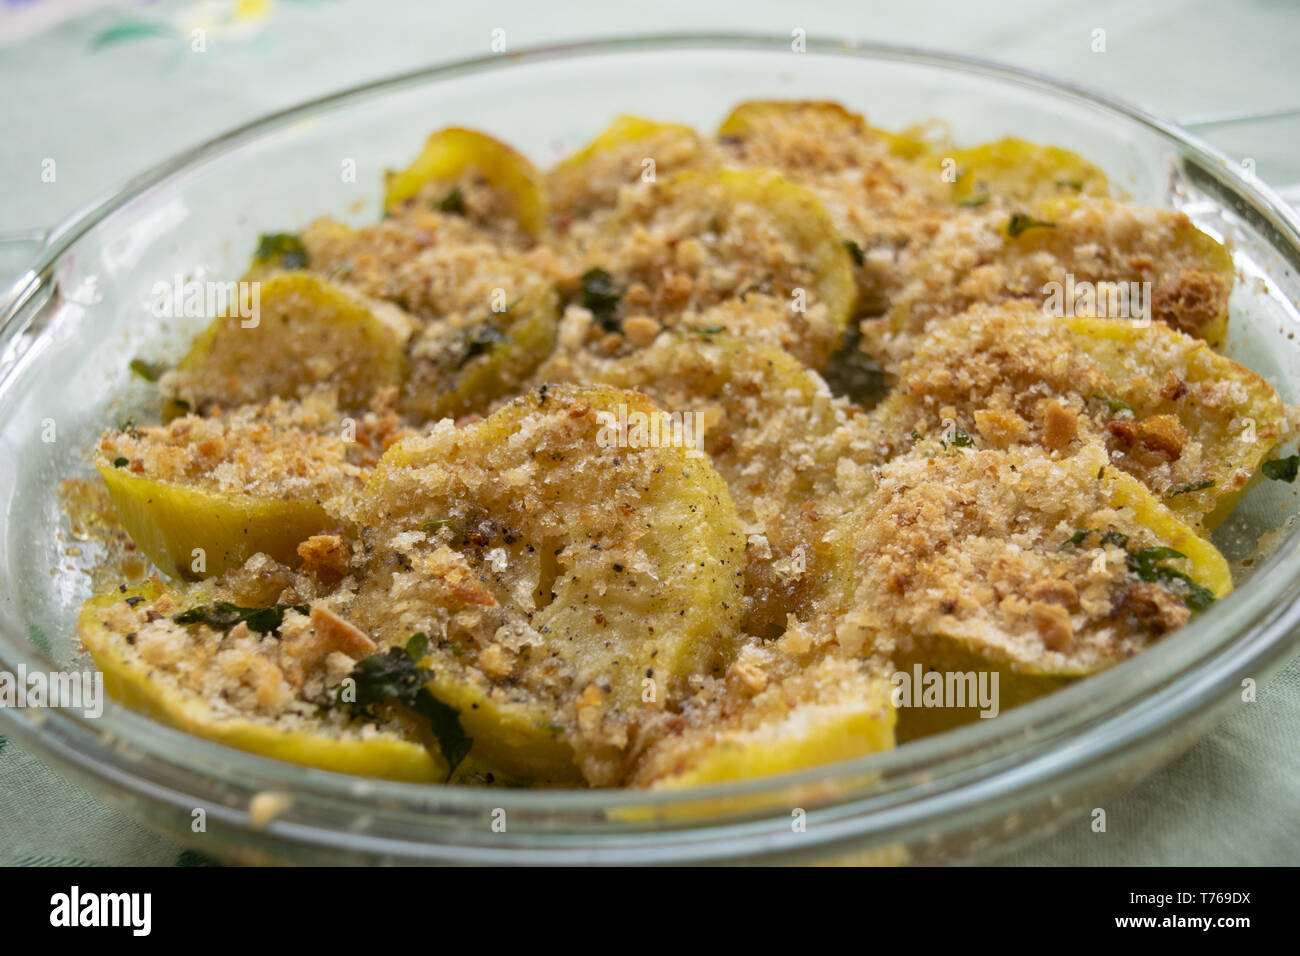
x=110, y=89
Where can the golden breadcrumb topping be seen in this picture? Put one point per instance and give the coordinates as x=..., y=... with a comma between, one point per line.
x=991, y=257
x=278, y=450
x=975, y=546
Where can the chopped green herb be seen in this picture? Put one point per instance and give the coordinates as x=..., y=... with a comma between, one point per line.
x=855, y=251
x=222, y=616
x=1188, y=489
x=1115, y=404
x=387, y=676
x=434, y=525
x=959, y=440
x=417, y=648
x=1118, y=538
x=1282, y=469
x=149, y=371
x=1196, y=596
x=1110, y=536
x=976, y=200
x=480, y=339
x=453, y=202
x=444, y=721
x=601, y=294
x=396, y=677
x=119, y=461
x=1145, y=563
x=853, y=374
x=1075, y=184
x=283, y=248
x=1020, y=222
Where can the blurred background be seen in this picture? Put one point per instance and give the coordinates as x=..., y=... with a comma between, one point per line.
x=108, y=89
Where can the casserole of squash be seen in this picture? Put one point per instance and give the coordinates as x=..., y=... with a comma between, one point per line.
x=659, y=467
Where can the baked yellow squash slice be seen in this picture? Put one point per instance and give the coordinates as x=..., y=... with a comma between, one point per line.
x=1233, y=414
x=153, y=665
x=631, y=149
x=1077, y=256
x=1191, y=273
x=762, y=131
x=882, y=190
x=193, y=533
x=833, y=710
x=306, y=334
x=199, y=496
x=477, y=319
x=570, y=573
x=1192, y=425
x=744, y=250
x=455, y=165
x=1041, y=569
x=461, y=365
x=1018, y=171
x=792, y=455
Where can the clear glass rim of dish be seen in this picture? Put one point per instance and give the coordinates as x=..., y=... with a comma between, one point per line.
x=1018, y=757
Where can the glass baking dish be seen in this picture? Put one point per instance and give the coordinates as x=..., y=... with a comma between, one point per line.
x=71, y=323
